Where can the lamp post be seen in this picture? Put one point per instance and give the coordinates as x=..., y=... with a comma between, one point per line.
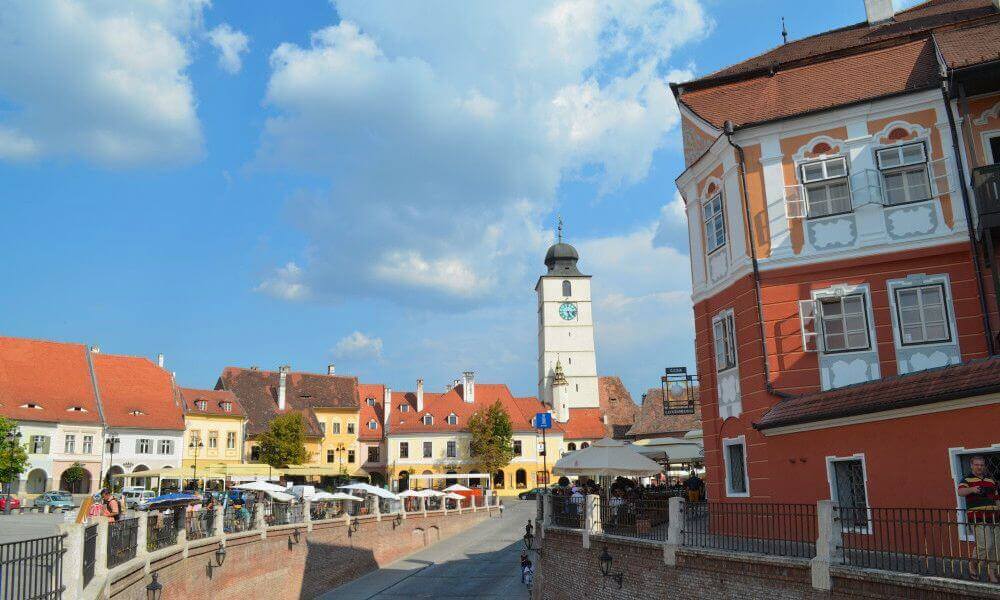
x=196, y=444
x=154, y=590
x=606, y=561
x=12, y=439
x=111, y=443
x=340, y=456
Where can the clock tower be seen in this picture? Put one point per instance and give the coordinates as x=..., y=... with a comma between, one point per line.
x=565, y=334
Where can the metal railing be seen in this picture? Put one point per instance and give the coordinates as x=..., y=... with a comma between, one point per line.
x=200, y=524
x=161, y=530
x=89, y=552
x=236, y=520
x=645, y=518
x=986, y=181
x=925, y=541
x=122, y=541
x=296, y=513
x=32, y=569
x=763, y=528
x=568, y=511
x=282, y=513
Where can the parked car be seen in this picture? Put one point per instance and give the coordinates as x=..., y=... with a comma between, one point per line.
x=63, y=500
x=531, y=494
x=14, y=503
x=138, y=499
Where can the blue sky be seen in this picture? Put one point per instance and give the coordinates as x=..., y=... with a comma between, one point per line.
x=369, y=184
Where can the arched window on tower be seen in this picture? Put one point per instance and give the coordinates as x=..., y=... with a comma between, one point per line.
x=567, y=288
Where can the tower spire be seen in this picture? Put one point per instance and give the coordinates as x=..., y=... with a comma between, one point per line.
x=559, y=230
x=784, y=32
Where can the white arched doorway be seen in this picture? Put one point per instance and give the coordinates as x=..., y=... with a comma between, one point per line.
x=37, y=482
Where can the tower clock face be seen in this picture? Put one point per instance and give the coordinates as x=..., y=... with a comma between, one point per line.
x=567, y=310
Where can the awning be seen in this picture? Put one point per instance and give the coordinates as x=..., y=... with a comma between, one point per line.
x=671, y=449
x=607, y=457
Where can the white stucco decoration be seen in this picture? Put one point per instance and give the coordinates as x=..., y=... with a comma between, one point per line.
x=832, y=233
x=800, y=154
x=908, y=221
x=911, y=128
x=990, y=113
x=728, y=392
x=717, y=265
x=847, y=372
x=920, y=361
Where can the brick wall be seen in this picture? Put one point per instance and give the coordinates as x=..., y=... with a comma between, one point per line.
x=328, y=556
x=570, y=571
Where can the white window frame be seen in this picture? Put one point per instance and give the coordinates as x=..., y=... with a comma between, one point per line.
x=230, y=436
x=427, y=419
x=88, y=445
x=987, y=150
x=165, y=447
x=904, y=167
x=404, y=408
x=427, y=450
x=945, y=307
x=811, y=322
x=831, y=476
x=144, y=442
x=213, y=439
x=451, y=449
x=453, y=419
x=69, y=444
x=726, y=319
x=826, y=180
x=706, y=218
x=822, y=319
x=372, y=424
x=726, y=443
x=965, y=533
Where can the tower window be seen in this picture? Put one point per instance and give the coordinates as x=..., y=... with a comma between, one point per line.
x=567, y=288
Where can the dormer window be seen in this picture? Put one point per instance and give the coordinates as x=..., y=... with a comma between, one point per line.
x=428, y=419
x=76, y=409
x=136, y=413
x=32, y=405
x=200, y=404
x=404, y=408
x=453, y=419
x=373, y=424
x=226, y=406
x=370, y=401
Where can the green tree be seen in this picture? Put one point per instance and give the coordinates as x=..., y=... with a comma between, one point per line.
x=73, y=476
x=492, y=438
x=283, y=443
x=13, y=456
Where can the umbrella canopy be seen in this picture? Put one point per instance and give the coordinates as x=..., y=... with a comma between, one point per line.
x=454, y=496
x=343, y=496
x=609, y=458
x=280, y=496
x=370, y=489
x=260, y=486
x=409, y=494
x=178, y=498
x=458, y=487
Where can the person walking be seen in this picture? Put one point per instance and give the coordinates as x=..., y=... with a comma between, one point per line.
x=112, y=506
x=982, y=504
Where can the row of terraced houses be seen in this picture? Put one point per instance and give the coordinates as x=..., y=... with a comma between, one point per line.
x=842, y=193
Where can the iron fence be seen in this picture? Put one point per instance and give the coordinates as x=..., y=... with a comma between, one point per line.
x=161, y=530
x=568, y=511
x=924, y=541
x=200, y=524
x=89, y=552
x=296, y=513
x=540, y=506
x=238, y=519
x=32, y=569
x=645, y=518
x=764, y=528
x=123, y=538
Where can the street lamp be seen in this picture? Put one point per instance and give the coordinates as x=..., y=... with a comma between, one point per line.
x=220, y=556
x=196, y=444
x=12, y=438
x=606, y=561
x=155, y=589
x=529, y=537
x=111, y=443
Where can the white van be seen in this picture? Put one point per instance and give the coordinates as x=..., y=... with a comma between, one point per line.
x=302, y=491
x=137, y=498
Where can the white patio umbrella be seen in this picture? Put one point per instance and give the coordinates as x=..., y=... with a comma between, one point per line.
x=280, y=496
x=429, y=493
x=609, y=458
x=458, y=487
x=454, y=496
x=370, y=489
x=409, y=494
x=260, y=486
x=343, y=496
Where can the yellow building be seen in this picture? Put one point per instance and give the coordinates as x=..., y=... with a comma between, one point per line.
x=214, y=424
x=328, y=404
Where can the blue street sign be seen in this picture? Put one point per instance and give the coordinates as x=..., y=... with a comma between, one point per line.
x=543, y=420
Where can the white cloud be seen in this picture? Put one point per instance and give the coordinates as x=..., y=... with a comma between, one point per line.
x=358, y=346
x=102, y=81
x=446, y=134
x=285, y=283
x=231, y=44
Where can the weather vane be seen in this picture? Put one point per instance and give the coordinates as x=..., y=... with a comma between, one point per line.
x=559, y=229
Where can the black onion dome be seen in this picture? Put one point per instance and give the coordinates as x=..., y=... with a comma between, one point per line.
x=561, y=260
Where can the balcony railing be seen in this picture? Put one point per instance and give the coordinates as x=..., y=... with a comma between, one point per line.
x=986, y=181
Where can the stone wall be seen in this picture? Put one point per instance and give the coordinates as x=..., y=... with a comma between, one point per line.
x=275, y=566
x=568, y=570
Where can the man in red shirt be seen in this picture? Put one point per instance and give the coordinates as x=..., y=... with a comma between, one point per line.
x=981, y=503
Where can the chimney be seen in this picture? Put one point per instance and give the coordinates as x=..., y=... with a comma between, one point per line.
x=879, y=11
x=159, y=360
x=331, y=369
x=386, y=407
x=95, y=349
x=420, y=395
x=282, y=385
x=469, y=387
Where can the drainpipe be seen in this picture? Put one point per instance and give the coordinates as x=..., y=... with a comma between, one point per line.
x=984, y=307
x=728, y=131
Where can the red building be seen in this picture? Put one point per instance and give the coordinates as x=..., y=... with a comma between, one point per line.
x=840, y=199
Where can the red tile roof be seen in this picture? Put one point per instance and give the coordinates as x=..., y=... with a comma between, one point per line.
x=439, y=406
x=970, y=44
x=53, y=375
x=214, y=401
x=376, y=392
x=258, y=392
x=616, y=402
x=651, y=421
x=584, y=424
x=136, y=393
x=964, y=380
